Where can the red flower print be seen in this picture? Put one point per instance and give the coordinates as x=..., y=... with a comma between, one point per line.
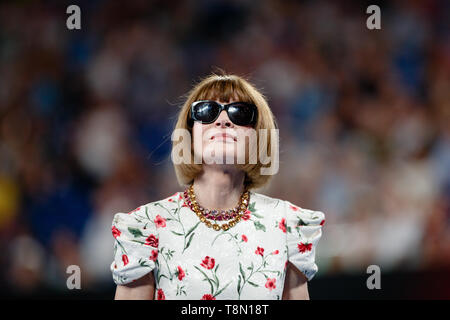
x=125, y=259
x=260, y=251
x=208, y=263
x=154, y=255
x=161, y=295
x=160, y=221
x=276, y=252
x=247, y=215
x=152, y=241
x=294, y=208
x=322, y=222
x=115, y=232
x=282, y=225
x=244, y=238
x=137, y=209
x=208, y=297
x=270, y=284
x=285, y=265
x=181, y=273
x=303, y=247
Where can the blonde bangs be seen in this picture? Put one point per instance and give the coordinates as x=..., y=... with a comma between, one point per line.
x=223, y=90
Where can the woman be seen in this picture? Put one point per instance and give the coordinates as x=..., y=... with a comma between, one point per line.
x=218, y=239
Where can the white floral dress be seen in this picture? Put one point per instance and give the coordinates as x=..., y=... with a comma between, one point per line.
x=192, y=261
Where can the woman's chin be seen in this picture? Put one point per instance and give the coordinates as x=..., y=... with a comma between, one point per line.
x=220, y=159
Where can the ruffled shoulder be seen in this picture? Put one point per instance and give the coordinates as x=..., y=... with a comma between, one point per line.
x=136, y=244
x=303, y=232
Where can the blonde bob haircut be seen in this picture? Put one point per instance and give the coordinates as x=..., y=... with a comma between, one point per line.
x=224, y=87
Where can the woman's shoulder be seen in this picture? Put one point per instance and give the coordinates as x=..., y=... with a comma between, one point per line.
x=265, y=200
x=168, y=202
x=154, y=208
x=304, y=216
x=286, y=206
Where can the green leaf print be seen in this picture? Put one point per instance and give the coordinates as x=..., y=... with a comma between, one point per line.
x=216, y=280
x=239, y=285
x=175, y=216
x=135, y=232
x=231, y=238
x=278, y=201
x=252, y=273
x=213, y=281
x=141, y=242
x=192, y=229
x=251, y=206
x=146, y=213
x=253, y=284
x=242, y=271
x=257, y=215
x=189, y=241
x=259, y=226
x=206, y=278
x=161, y=276
x=170, y=253
x=180, y=290
x=301, y=223
x=167, y=256
x=144, y=263
x=220, y=291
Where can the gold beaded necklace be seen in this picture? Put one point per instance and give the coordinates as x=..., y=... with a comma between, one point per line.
x=193, y=204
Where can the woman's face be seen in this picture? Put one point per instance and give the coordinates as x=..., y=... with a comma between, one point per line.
x=222, y=141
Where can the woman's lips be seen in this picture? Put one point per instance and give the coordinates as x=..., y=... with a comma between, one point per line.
x=223, y=137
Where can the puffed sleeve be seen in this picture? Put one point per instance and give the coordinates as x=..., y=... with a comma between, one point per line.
x=135, y=247
x=303, y=231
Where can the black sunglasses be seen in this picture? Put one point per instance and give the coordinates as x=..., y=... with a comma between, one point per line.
x=207, y=111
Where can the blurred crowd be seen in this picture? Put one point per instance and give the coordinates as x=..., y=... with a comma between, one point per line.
x=86, y=117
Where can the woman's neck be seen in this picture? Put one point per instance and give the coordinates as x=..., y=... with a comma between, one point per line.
x=219, y=186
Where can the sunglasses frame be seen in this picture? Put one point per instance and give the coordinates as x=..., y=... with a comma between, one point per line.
x=222, y=107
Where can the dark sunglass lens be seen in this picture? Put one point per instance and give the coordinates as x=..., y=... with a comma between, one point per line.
x=206, y=111
x=241, y=114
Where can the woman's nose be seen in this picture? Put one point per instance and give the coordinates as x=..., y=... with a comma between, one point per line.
x=223, y=120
